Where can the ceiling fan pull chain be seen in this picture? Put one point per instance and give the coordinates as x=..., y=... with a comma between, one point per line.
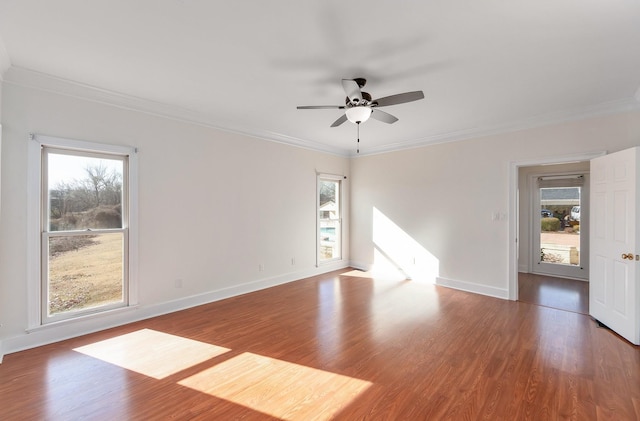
x=358, y=148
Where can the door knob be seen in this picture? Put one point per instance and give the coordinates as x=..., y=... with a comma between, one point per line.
x=627, y=256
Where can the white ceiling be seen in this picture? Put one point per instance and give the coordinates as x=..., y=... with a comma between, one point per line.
x=484, y=66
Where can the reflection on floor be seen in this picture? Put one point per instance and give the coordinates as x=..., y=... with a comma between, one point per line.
x=560, y=293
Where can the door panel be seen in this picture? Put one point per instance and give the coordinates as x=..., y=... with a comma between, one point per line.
x=619, y=287
x=620, y=217
x=598, y=271
x=614, y=292
x=598, y=209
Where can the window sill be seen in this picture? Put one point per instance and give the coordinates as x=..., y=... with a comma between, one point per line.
x=83, y=318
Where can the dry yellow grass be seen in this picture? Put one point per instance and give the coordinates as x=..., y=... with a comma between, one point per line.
x=88, y=277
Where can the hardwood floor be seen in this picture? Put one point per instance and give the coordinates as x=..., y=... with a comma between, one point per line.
x=336, y=346
x=549, y=291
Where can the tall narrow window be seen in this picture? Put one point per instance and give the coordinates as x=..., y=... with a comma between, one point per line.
x=329, y=218
x=84, y=232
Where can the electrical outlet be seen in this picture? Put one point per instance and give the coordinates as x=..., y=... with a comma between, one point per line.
x=293, y=261
x=261, y=267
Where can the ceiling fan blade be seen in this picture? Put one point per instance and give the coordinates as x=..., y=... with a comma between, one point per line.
x=352, y=90
x=399, y=98
x=339, y=121
x=382, y=116
x=320, y=107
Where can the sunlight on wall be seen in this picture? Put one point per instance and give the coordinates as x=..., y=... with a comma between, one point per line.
x=278, y=388
x=396, y=253
x=152, y=353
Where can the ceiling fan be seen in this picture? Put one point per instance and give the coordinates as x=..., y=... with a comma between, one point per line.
x=359, y=105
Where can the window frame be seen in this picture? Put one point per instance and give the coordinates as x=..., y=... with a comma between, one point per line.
x=561, y=180
x=37, y=206
x=339, y=236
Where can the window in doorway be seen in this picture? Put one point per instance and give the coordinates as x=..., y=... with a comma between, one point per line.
x=329, y=218
x=560, y=225
x=560, y=243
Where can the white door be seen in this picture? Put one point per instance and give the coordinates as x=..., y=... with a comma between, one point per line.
x=614, y=292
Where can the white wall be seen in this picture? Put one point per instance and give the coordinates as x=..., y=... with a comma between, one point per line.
x=443, y=198
x=2, y=293
x=213, y=206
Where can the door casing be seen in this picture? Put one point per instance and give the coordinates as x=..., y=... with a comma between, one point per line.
x=514, y=167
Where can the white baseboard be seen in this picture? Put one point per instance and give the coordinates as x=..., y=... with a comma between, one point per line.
x=81, y=326
x=360, y=266
x=502, y=293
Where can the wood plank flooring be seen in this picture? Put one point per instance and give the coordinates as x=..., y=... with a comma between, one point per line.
x=549, y=291
x=341, y=346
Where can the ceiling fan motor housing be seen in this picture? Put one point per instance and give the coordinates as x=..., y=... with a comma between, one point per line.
x=366, y=100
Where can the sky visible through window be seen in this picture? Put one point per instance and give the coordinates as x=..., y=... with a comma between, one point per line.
x=67, y=168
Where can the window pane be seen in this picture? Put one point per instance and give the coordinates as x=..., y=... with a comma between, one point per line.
x=84, y=192
x=328, y=246
x=85, y=271
x=329, y=220
x=560, y=225
x=328, y=199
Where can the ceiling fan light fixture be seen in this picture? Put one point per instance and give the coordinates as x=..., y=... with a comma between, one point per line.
x=358, y=115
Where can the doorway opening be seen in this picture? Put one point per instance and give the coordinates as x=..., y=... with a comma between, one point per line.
x=521, y=232
x=550, y=291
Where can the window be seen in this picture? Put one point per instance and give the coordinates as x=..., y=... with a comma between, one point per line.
x=85, y=228
x=329, y=218
x=559, y=243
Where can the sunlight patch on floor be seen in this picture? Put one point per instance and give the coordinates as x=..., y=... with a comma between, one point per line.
x=377, y=274
x=152, y=353
x=358, y=274
x=278, y=388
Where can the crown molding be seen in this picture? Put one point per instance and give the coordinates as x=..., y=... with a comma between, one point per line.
x=32, y=79
x=5, y=61
x=605, y=108
x=36, y=80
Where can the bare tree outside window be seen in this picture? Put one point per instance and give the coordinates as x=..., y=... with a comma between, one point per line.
x=94, y=201
x=86, y=236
